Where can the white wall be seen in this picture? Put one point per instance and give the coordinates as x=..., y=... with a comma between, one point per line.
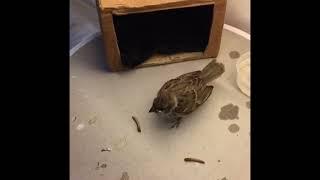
x=238, y=14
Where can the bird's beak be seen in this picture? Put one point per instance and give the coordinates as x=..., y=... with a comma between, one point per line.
x=152, y=109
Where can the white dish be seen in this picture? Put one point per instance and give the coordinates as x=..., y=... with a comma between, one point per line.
x=243, y=73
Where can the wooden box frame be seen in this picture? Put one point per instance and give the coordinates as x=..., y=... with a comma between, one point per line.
x=106, y=9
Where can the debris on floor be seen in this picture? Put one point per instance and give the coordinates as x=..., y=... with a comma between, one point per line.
x=234, y=54
x=98, y=166
x=194, y=160
x=103, y=165
x=92, y=120
x=125, y=176
x=74, y=119
x=107, y=149
x=229, y=112
x=137, y=123
x=233, y=128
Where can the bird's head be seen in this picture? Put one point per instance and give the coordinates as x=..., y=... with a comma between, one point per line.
x=162, y=103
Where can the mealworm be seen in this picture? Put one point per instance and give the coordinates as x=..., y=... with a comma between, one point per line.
x=137, y=123
x=107, y=149
x=194, y=160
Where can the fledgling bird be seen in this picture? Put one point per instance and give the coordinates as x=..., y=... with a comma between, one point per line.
x=181, y=96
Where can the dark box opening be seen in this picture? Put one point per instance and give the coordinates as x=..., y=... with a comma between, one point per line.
x=162, y=32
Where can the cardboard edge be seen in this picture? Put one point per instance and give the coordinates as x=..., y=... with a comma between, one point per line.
x=123, y=10
x=174, y=58
x=214, y=43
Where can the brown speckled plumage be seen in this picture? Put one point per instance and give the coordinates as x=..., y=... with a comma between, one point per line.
x=183, y=95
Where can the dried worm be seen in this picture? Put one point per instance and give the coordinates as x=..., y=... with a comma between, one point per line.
x=137, y=123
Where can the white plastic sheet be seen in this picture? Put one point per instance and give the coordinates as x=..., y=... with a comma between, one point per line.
x=84, y=23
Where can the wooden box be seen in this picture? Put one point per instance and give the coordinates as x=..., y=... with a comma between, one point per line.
x=140, y=33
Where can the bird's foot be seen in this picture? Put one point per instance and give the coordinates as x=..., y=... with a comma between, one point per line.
x=175, y=123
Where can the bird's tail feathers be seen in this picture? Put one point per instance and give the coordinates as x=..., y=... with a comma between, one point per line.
x=212, y=71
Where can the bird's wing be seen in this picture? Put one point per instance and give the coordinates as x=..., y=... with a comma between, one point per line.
x=190, y=91
x=181, y=82
x=203, y=94
x=187, y=90
x=186, y=101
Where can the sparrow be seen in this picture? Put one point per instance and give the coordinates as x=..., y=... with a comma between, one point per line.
x=183, y=95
